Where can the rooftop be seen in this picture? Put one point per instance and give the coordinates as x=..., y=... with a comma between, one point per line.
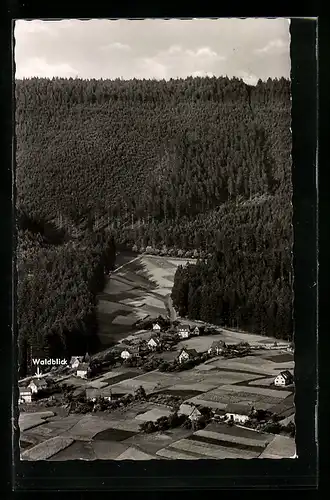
x=238, y=408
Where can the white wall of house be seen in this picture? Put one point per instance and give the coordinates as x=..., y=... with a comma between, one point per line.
x=33, y=387
x=184, y=356
x=279, y=380
x=236, y=417
x=184, y=334
x=26, y=398
x=125, y=355
x=82, y=373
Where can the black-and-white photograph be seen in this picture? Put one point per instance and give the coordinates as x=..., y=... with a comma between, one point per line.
x=154, y=239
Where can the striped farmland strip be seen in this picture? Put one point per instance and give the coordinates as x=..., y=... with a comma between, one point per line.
x=226, y=444
x=47, y=449
x=279, y=394
x=174, y=454
x=211, y=450
x=231, y=438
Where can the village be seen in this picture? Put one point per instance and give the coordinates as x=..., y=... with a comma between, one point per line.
x=238, y=385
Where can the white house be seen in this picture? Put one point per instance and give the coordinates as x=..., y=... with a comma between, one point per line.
x=196, y=330
x=75, y=361
x=190, y=411
x=217, y=347
x=82, y=370
x=37, y=384
x=184, y=331
x=153, y=343
x=25, y=395
x=187, y=354
x=284, y=378
x=129, y=352
x=238, y=413
x=156, y=327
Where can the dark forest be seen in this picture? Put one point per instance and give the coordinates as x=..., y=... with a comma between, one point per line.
x=200, y=166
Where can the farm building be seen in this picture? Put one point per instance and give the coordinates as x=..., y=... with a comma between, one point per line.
x=25, y=395
x=153, y=342
x=37, y=384
x=190, y=411
x=187, y=354
x=82, y=370
x=284, y=378
x=92, y=393
x=217, y=347
x=130, y=352
x=75, y=361
x=156, y=327
x=184, y=331
x=237, y=412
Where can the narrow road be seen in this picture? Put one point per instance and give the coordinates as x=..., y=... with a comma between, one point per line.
x=125, y=264
x=173, y=315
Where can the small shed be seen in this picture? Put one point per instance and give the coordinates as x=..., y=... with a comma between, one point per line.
x=156, y=327
x=153, y=342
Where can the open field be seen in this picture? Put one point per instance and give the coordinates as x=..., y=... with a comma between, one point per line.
x=135, y=290
x=140, y=288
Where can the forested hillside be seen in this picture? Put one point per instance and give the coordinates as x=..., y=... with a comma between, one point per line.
x=200, y=163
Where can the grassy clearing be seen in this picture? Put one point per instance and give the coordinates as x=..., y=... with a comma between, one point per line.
x=173, y=454
x=79, y=450
x=237, y=432
x=87, y=427
x=229, y=439
x=106, y=450
x=251, y=391
x=120, y=377
x=185, y=393
x=232, y=445
x=154, y=414
x=280, y=447
x=114, y=287
x=212, y=450
x=135, y=454
x=47, y=449
x=113, y=435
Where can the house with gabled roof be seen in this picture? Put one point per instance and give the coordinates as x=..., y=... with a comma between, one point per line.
x=217, y=347
x=25, y=395
x=153, y=342
x=191, y=411
x=37, y=384
x=156, y=327
x=130, y=352
x=238, y=413
x=83, y=370
x=184, y=331
x=75, y=361
x=187, y=354
x=284, y=378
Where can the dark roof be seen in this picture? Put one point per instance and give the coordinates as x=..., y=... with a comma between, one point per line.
x=191, y=352
x=132, y=349
x=39, y=382
x=75, y=358
x=155, y=338
x=218, y=343
x=83, y=366
x=238, y=408
x=184, y=327
x=287, y=375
